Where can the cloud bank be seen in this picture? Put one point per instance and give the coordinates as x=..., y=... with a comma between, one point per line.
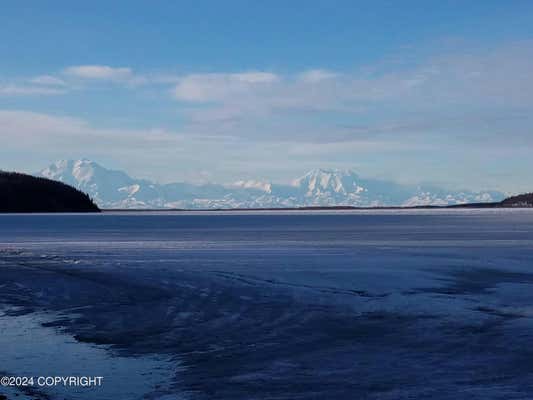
x=461, y=108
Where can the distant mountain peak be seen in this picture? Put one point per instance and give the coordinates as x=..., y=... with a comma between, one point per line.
x=337, y=181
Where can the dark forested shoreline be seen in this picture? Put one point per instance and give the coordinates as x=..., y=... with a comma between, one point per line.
x=22, y=193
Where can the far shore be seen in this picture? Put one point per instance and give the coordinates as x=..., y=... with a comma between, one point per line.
x=318, y=208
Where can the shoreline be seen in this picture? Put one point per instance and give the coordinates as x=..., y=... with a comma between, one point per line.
x=320, y=208
x=282, y=211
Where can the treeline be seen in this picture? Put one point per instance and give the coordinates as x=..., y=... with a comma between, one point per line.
x=521, y=200
x=25, y=193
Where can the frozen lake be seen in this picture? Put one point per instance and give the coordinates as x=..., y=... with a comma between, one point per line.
x=270, y=305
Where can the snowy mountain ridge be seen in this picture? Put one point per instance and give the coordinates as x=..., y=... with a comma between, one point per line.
x=320, y=187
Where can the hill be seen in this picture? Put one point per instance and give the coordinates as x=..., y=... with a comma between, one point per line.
x=25, y=193
x=521, y=200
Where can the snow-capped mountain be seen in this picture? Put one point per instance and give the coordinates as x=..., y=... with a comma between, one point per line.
x=320, y=187
x=108, y=188
x=330, y=186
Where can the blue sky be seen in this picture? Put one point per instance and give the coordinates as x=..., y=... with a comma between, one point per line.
x=414, y=91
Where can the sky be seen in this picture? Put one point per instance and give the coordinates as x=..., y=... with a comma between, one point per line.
x=209, y=91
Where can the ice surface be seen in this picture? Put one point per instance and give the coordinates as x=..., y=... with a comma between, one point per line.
x=278, y=305
x=33, y=350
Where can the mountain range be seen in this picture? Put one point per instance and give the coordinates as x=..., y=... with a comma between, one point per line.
x=114, y=189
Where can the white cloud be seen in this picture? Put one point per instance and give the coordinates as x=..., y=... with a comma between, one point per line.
x=102, y=72
x=254, y=77
x=29, y=124
x=218, y=87
x=28, y=90
x=474, y=95
x=48, y=80
x=317, y=75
